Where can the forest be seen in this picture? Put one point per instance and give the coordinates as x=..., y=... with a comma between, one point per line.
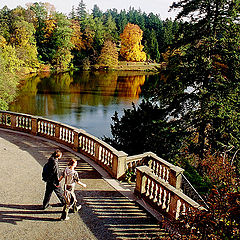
x=37, y=38
x=192, y=114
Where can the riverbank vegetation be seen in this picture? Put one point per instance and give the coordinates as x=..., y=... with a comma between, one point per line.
x=43, y=38
x=36, y=38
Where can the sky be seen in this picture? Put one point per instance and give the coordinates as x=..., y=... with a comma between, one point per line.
x=160, y=7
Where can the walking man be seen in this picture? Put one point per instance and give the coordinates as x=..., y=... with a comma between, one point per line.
x=52, y=180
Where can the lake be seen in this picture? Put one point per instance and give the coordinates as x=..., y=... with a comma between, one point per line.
x=85, y=100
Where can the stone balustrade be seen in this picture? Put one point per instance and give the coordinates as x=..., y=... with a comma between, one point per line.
x=164, y=170
x=162, y=196
x=110, y=159
x=157, y=181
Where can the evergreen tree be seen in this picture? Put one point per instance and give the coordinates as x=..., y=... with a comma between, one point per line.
x=153, y=46
x=96, y=12
x=72, y=14
x=81, y=12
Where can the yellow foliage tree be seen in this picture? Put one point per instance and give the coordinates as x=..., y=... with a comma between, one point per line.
x=109, y=55
x=131, y=47
x=77, y=39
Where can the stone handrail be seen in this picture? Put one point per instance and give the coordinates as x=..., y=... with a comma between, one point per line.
x=163, y=197
x=109, y=158
x=158, y=182
x=164, y=170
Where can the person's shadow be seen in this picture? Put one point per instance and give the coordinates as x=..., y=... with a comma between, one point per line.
x=19, y=213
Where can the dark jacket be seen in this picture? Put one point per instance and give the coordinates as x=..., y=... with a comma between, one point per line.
x=54, y=170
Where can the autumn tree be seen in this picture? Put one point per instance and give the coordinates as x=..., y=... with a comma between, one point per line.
x=109, y=55
x=23, y=39
x=9, y=65
x=131, y=48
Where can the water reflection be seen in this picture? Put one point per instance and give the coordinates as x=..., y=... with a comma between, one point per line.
x=85, y=100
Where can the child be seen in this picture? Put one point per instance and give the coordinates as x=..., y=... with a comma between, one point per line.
x=71, y=177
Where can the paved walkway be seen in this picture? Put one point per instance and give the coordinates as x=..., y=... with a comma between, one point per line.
x=105, y=214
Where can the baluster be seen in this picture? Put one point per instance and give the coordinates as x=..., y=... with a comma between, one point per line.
x=48, y=129
x=178, y=208
x=183, y=209
x=108, y=158
x=45, y=128
x=83, y=143
x=68, y=135
x=20, y=122
x=155, y=194
x=17, y=119
x=24, y=122
x=80, y=142
x=159, y=203
x=164, y=199
x=151, y=190
x=164, y=172
x=64, y=134
x=100, y=153
x=103, y=154
x=167, y=175
x=153, y=166
x=72, y=137
x=42, y=127
x=52, y=130
x=87, y=145
x=160, y=171
x=168, y=202
x=111, y=159
x=93, y=148
x=26, y=126
x=60, y=133
x=148, y=187
x=157, y=169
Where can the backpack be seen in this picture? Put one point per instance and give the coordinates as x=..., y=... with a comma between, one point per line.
x=46, y=172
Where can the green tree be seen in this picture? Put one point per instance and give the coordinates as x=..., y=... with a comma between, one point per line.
x=168, y=32
x=110, y=28
x=5, y=23
x=61, y=42
x=96, y=12
x=153, y=46
x=205, y=75
x=81, y=12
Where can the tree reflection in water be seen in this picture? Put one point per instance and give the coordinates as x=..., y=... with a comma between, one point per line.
x=85, y=99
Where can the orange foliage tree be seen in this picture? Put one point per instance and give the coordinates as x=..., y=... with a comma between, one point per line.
x=131, y=47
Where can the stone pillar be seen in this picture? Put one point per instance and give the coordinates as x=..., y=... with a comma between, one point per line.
x=34, y=128
x=13, y=121
x=140, y=182
x=119, y=164
x=96, y=153
x=76, y=141
x=57, y=132
x=175, y=177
